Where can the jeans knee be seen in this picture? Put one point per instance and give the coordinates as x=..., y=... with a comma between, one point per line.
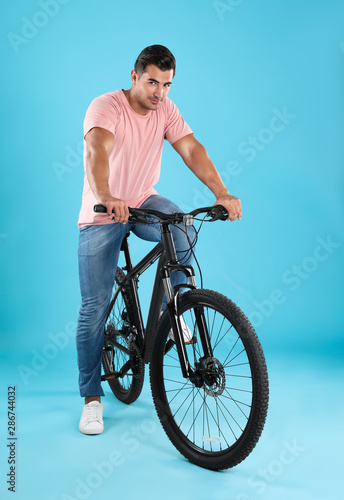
x=92, y=312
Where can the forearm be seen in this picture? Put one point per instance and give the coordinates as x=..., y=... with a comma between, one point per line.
x=99, y=144
x=197, y=159
x=97, y=170
x=202, y=166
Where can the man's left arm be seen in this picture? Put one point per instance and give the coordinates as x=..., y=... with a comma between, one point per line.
x=196, y=158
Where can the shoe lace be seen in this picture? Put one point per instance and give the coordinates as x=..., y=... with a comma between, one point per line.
x=93, y=413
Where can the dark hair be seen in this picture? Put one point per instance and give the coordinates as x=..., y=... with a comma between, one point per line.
x=158, y=55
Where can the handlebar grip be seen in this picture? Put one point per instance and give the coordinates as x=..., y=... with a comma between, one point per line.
x=100, y=209
x=138, y=217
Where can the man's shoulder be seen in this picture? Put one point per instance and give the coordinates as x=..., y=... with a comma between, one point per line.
x=109, y=97
x=168, y=106
x=168, y=103
x=109, y=104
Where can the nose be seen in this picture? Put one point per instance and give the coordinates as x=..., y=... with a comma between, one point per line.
x=159, y=91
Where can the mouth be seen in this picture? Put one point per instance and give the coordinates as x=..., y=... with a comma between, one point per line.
x=154, y=101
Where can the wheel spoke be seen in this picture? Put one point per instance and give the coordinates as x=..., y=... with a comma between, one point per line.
x=187, y=397
x=227, y=364
x=169, y=355
x=194, y=418
x=206, y=413
x=216, y=422
x=174, y=390
x=217, y=342
x=212, y=326
x=235, y=400
x=225, y=408
x=230, y=352
x=180, y=389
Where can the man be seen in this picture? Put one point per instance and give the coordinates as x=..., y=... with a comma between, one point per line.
x=123, y=138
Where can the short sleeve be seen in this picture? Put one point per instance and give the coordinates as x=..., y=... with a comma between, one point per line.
x=103, y=112
x=175, y=126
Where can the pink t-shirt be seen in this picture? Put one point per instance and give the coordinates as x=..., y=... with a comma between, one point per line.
x=136, y=156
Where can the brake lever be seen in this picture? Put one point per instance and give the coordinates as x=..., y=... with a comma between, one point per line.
x=137, y=218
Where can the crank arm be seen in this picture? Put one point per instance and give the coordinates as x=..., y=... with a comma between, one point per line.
x=123, y=371
x=116, y=344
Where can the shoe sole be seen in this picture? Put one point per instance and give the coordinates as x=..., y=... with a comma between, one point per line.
x=91, y=433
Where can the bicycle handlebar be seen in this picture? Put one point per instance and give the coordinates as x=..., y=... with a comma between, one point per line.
x=215, y=212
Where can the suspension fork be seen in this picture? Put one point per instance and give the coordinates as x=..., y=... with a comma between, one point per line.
x=173, y=265
x=203, y=332
x=172, y=307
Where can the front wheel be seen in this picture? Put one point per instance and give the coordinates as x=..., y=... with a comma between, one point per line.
x=216, y=422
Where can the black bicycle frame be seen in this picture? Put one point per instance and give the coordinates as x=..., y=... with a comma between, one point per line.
x=168, y=263
x=131, y=278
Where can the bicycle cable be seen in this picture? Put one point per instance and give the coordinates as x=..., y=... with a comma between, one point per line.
x=192, y=245
x=190, y=251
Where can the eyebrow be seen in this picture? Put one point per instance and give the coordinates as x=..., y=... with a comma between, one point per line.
x=156, y=81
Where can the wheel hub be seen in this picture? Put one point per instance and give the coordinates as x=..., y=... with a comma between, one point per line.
x=213, y=376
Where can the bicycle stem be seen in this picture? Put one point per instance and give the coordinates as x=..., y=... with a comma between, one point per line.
x=166, y=236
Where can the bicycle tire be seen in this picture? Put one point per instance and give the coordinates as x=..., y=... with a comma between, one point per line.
x=209, y=445
x=118, y=326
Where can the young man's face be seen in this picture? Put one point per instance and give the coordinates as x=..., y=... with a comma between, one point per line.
x=151, y=88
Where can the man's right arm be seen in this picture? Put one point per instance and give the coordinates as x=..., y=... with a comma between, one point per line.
x=99, y=144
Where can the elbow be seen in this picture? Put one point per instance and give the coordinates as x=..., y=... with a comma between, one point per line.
x=196, y=156
x=95, y=153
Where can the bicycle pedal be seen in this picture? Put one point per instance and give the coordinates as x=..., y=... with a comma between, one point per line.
x=192, y=341
x=107, y=376
x=188, y=342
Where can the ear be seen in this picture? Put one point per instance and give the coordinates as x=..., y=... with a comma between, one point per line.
x=134, y=76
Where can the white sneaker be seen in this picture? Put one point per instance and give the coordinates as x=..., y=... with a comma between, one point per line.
x=91, y=421
x=188, y=337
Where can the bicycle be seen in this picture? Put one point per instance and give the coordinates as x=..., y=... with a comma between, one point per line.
x=211, y=395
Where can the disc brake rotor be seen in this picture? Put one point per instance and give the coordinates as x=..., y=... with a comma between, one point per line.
x=214, y=377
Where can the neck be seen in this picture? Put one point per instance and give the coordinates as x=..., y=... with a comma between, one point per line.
x=134, y=104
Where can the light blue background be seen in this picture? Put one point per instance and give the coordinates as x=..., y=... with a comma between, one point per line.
x=237, y=63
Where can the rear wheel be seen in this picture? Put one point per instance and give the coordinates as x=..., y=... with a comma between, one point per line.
x=216, y=421
x=120, y=346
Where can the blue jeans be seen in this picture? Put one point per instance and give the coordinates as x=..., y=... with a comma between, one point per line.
x=99, y=247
